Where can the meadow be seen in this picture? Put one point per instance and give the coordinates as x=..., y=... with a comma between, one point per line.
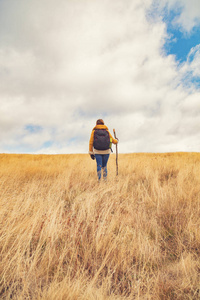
x=63, y=235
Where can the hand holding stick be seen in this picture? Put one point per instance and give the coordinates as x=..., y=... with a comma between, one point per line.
x=116, y=153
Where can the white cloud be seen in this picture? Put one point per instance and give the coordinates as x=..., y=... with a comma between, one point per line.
x=63, y=65
x=188, y=12
x=190, y=15
x=194, y=61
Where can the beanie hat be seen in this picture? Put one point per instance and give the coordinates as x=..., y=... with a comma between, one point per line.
x=99, y=122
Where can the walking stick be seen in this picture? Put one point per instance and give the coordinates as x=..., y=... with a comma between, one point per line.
x=116, y=153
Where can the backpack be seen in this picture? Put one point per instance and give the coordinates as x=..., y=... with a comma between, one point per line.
x=101, y=139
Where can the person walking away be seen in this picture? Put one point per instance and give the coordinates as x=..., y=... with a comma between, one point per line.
x=100, y=147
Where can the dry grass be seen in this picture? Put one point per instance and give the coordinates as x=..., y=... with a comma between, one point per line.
x=64, y=236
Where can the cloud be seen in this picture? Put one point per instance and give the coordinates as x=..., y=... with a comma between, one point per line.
x=194, y=61
x=190, y=13
x=186, y=13
x=63, y=65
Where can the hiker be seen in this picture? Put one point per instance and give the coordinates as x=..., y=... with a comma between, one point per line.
x=100, y=147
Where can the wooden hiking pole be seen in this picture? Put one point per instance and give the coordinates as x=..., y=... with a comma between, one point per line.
x=116, y=153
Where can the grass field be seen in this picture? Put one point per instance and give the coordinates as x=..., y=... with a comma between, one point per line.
x=65, y=236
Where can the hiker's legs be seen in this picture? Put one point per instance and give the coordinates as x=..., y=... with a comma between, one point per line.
x=99, y=164
x=105, y=158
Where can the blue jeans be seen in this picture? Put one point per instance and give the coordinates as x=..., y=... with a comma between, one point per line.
x=102, y=160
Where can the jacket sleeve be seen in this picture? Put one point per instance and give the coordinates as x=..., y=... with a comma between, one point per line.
x=91, y=143
x=114, y=141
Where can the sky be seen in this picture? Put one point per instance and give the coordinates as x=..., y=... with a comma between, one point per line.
x=64, y=64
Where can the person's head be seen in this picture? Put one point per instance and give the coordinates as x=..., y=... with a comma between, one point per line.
x=99, y=122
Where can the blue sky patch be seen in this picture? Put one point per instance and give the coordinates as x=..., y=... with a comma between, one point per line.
x=180, y=45
x=179, y=42
x=48, y=144
x=18, y=149
x=73, y=140
x=196, y=82
x=33, y=128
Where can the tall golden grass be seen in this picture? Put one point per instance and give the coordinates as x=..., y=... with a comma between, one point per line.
x=65, y=236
